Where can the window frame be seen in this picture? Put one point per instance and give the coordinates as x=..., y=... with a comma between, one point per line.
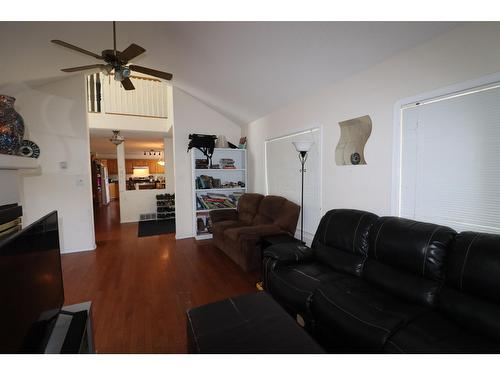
x=443, y=93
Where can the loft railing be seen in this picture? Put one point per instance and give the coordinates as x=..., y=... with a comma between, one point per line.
x=105, y=95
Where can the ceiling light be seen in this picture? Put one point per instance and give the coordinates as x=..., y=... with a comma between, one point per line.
x=116, y=139
x=118, y=75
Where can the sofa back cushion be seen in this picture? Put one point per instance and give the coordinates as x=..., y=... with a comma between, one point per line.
x=279, y=211
x=407, y=258
x=472, y=293
x=341, y=240
x=248, y=205
x=474, y=265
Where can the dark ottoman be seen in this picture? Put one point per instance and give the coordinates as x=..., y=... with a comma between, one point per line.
x=252, y=324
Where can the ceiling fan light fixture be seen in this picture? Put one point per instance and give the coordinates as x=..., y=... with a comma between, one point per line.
x=118, y=75
x=115, y=60
x=107, y=69
x=125, y=72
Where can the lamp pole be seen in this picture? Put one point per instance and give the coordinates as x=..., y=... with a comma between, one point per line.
x=302, y=148
x=303, y=158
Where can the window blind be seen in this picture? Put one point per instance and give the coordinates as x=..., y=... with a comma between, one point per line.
x=284, y=178
x=450, y=155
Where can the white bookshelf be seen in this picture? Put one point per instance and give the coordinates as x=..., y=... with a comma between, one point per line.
x=239, y=173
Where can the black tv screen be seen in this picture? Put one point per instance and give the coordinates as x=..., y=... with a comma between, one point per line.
x=31, y=286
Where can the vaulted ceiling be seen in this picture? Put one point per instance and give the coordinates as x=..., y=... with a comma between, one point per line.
x=244, y=70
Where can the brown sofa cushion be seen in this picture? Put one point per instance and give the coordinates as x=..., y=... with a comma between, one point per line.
x=220, y=227
x=279, y=211
x=223, y=214
x=288, y=216
x=256, y=231
x=248, y=204
x=269, y=209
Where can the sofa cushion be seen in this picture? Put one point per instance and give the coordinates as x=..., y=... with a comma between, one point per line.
x=477, y=314
x=288, y=216
x=248, y=205
x=270, y=209
x=471, y=296
x=220, y=227
x=341, y=240
x=254, y=231
x=355, y=316
x=294, y=285
x=432, y=332
x=407, y=258
x=474, y=265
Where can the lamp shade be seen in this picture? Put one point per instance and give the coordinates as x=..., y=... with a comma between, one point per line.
x=303, y=146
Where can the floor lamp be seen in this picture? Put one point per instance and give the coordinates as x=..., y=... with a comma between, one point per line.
x=302, y=148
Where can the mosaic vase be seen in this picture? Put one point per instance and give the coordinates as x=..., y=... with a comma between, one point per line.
x=11, y=126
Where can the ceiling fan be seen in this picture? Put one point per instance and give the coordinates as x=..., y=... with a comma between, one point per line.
x=116, y=61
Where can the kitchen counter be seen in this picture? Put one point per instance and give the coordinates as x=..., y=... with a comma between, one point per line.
x=145, y=185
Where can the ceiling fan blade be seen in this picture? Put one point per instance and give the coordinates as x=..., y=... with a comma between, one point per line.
x=75, y=48
x=130, y=52
x=151, y=72
x=127, y=84
x=85, y=67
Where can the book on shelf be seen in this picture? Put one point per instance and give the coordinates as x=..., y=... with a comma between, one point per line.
x=212, y=201
x=203, y=224
x=227, y=163
x=201, y=164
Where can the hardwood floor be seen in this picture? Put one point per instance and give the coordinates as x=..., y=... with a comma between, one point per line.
x=142, y=287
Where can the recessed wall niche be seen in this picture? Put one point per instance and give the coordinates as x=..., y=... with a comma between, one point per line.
x=354, y=134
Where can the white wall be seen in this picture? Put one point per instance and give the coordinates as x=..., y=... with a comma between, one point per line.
x=168, y=144
x=9, y=187
x=465, y=53
x=136, y=202
x=125, y=122
x=192, y=116
x=55, y=118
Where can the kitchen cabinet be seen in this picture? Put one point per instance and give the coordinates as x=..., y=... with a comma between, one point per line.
x=140, y=162
x=129, y=166
x=112, y=166
x=152, y=166
x=160, y=169
x=114, y=192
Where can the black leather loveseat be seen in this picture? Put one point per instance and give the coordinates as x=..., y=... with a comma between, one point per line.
x=384, y=284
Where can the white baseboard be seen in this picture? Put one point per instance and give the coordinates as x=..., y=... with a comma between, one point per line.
x=179, y=236
x=69, y=251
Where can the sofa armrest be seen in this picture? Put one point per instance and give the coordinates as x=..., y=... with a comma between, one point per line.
x=286, y=253
x=223, y=215
x=283, y=254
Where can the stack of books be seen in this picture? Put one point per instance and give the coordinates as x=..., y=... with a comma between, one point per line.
x=201, y=164
x=10, y=219
x=227, y=164
x=203, y=224
x=214, y=201
x=207, y=182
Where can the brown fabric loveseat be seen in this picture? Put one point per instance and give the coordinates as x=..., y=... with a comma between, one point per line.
x=237, y=232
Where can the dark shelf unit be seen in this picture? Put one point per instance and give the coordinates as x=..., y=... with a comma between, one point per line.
x=165, y=206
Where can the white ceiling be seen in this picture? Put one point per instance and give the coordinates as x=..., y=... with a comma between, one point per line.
x=244, y=70
x=135, y=142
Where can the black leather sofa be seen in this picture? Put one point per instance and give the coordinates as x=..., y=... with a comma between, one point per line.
x=372, y=284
